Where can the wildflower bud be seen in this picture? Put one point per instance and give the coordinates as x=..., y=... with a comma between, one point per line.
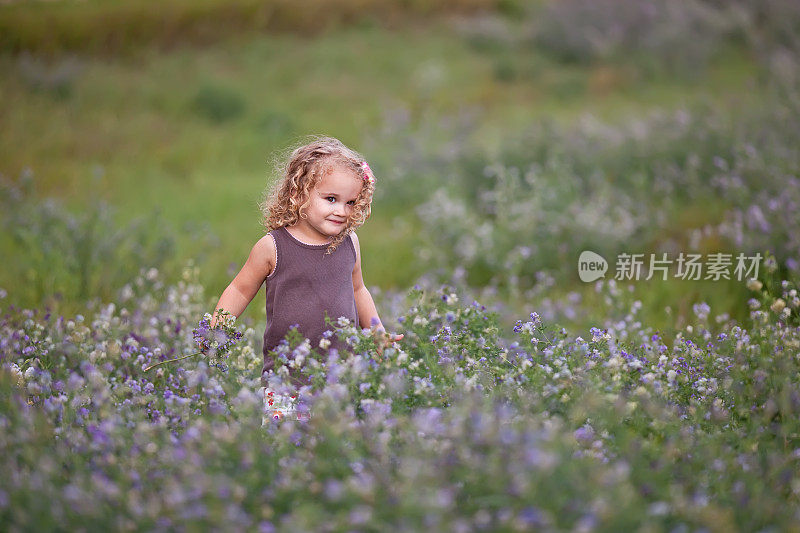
x=17, y=373
x=771, y=264
x=754, y=285
x=778, y=305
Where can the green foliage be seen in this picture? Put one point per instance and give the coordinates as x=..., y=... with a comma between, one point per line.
x=218, y=104
x=55, y=77
x=66, y=258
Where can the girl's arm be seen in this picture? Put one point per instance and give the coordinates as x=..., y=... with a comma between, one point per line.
x=365, y=306
x=245, y=285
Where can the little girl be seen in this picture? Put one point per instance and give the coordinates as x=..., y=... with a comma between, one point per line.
x=310, y=259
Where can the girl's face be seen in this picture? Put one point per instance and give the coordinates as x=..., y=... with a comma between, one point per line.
x=329, y=205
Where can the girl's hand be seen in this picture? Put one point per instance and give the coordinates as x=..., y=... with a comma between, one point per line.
x=385, y=340
x=390, y=338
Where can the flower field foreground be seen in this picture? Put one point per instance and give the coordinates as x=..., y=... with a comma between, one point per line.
x=460, y=428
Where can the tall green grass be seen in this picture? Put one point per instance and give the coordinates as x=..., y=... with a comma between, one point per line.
x=103, y=27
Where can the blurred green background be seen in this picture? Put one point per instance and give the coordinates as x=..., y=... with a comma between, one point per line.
x=506, y=136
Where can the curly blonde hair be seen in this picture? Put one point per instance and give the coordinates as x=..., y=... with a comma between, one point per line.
x=304, y=168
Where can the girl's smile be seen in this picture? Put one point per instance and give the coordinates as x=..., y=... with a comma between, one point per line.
x=329, y=206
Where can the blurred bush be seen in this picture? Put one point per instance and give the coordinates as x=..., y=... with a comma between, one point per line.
x=55, y=78
x=676, y=35
x=63, y=258
x=662, y=37
x=218, y=104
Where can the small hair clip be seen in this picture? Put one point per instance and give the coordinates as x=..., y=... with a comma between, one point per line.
x=369, y=177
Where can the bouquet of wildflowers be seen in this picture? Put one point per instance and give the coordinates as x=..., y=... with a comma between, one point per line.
x=215, y=342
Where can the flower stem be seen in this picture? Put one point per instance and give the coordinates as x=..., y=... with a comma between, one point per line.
x=171, y=360
x=509, y=362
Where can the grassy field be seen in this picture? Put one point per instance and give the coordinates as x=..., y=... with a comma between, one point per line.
x=193, y=132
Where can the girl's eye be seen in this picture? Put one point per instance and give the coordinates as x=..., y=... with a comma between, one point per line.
x=330, y=199
x=351, y=202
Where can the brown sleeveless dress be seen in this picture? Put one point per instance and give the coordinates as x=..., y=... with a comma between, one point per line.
x=305, y=285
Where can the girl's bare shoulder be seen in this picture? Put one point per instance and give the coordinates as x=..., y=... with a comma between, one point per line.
x=355, y=239
x=356, y=248
x=264, y=253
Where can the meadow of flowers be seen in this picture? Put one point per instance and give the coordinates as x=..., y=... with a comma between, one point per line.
x=689, y=179
x=465, y=425
x=519, y=399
